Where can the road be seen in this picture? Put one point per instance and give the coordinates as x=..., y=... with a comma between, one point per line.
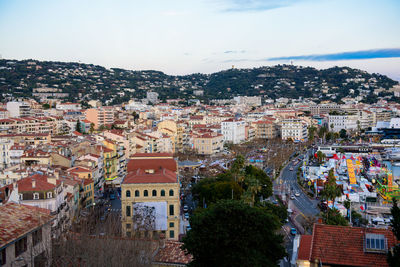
x=303, y=203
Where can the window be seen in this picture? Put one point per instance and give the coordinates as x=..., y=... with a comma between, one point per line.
x=21, y=197
x=137, y=193
x=375, y=243
x=171, y=234
x=128, y=211
x=154, y=193
x=49, y=195
x=20, y=246
x=145, y=193
x=3, y=256
x=171, y=224
x=162, y=192
x=171, y=210
x=171, y=193
x=128, y=234
x=128, y=226
x=35, y=195
x=37, y=237
x=128, y=193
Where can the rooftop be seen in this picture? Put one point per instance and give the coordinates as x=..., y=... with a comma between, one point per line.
x=18, y=220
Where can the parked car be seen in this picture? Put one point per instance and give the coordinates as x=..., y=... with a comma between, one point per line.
x=292, y=197
x=187, y=216
x=293, y=231
x=185, y=208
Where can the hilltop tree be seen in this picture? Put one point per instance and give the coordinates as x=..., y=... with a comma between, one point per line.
x=223, y=235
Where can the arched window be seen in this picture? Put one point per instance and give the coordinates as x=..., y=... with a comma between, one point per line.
x=35, y=195
x=162, y=192
x=154, y=193
x=49, y=195
x=145, y=193
x=171, y=193
x=128, y=193
x=137, y=193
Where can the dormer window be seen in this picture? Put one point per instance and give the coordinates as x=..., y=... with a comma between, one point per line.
x=35, y=195
x=375, y=243
x=149, y=171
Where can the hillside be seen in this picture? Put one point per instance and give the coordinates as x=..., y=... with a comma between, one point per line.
x=76, y=81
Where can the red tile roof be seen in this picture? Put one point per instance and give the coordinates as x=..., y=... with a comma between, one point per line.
x=41, y=184
x=172, y=254
x=159, y=176
x=305, y=246
x=344, y=245
x=146, y=164
x=18, y=220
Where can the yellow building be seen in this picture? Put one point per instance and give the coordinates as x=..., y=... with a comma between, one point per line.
x=176, y=133
x=152, y=182
x=81, y=172
x=110, y=160
x=208, y=144
x=88, y=192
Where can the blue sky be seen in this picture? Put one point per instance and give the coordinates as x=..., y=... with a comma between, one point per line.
x=187, y=36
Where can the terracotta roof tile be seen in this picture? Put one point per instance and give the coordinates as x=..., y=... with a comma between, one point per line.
x=18, y=220
x=172, y=254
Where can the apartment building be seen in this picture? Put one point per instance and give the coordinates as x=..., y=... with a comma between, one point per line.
x=100, y=116
x=294, y=129
x=25, y=235
x=348, y=122
x=324, y=108
x=233, y=130
x=150, y=201
x=18, y=109
x=208, y=143
x=68, y=106
x=5, y=155
x=266, y=129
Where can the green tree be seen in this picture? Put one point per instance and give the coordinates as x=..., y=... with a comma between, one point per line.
x=78, y=126
x=91, y=127
x=331, y=189
x=393, y=256
x=343, y=133
x=311, y=132
x=46, y=106
x=223, y=235
x=320, y=156
x=333, y=217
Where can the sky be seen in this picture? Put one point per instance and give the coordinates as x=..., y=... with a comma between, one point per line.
x=190, y=36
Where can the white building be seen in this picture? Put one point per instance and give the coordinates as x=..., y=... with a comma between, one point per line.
x=233, y=130
x=19, y=109
x=294, y=129
x=5, y=145
x=152, y=97
x=68, y=106
x=345, y=121
x=248, y=100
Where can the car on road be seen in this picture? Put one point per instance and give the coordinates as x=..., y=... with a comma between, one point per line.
x=187, y=216
x=291, y=168
x=185, y=208
x=292, y=197
x=297, y=194
x=293, y=231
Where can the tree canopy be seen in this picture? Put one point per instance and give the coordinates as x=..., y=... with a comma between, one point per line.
x=224, y=235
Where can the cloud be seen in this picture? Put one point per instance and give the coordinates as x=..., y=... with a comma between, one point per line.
x=355, y=55
x=234, y=51
x=256, y=5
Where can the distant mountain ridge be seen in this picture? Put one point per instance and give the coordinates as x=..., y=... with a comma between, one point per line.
x=77, y=81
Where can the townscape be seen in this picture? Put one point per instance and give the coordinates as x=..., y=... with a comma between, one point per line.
x=90, y=183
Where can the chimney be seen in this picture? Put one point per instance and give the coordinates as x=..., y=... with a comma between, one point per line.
x=33, y=183
x=162, y=240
